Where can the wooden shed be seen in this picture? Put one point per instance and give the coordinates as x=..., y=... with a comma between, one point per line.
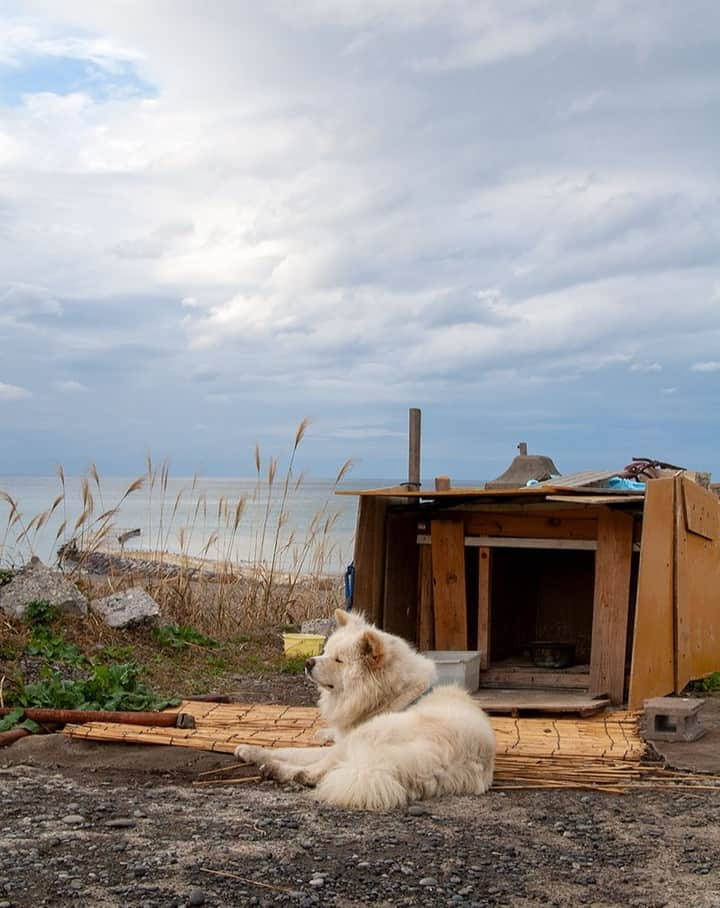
x=629, y=580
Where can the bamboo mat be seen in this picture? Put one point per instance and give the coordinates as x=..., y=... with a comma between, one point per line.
x=604, y=752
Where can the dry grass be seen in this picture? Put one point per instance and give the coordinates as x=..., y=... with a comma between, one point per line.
x=284, y=578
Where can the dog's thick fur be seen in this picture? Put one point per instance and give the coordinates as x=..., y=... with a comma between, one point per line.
x=396, y=738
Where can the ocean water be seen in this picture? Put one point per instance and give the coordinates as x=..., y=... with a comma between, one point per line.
x=195, y=520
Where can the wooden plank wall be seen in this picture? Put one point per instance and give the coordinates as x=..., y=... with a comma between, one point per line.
x=697, y=582
x=369, y=557
x=652, y=670
x=426, y=613
x=484, y=601
x=611, y=604
x=449, y=593
x=400, y=613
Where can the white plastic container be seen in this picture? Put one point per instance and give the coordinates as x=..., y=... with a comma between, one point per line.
x=457, y=667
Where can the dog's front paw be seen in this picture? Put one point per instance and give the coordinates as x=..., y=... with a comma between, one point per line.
x=248, y=753
x=324, y=736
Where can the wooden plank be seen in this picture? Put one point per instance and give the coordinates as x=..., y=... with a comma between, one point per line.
x=584, y=478
x=449, y=595
x=524, y=679
x=369, y=558
x=598, y=499
x=702, y=514
x=697, y=585
x=484, y=605
x=652, y=669
x=611, y=604
x=499, y=542
x=404, y=492
x=401, y=575
x=426, y=615
x=544, y=701
x=552, y=526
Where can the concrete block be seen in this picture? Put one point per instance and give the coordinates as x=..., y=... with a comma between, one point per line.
x=672, y=719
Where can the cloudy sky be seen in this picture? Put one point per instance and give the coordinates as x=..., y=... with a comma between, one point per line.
x=218, y=218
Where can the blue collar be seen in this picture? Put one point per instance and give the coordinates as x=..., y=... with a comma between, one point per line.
x=420, y=697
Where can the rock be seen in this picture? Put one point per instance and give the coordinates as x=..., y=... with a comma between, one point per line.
x=415, y=810
x=317, y=882
x=36, y=582
x=129, y=607
x=196, y=897
x=428, y=881
x=324, y=626
x=121, y=823
x=73, y=819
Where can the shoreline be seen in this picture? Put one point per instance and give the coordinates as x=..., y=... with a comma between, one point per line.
x=104, y=561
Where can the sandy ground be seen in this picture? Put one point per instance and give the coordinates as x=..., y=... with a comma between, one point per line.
x=92, y=824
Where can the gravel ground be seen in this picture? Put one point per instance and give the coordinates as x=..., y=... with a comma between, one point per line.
x=107, y=825
x=94, y=824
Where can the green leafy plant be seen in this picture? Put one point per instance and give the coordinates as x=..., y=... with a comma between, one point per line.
x=111, y=653
x=53, y=647
x=180, y=636
x=13, y=721
x=710, y=684
x=40, y=613
x=5, y=576
x=293, y=665
x=113, y=687
x=44, y=642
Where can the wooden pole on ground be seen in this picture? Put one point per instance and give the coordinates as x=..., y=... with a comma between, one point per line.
x=79, y=716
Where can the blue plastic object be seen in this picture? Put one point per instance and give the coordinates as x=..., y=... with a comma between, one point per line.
x=619, y=482
x=349, y=586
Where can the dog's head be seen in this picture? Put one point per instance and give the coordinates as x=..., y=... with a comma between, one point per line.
x=353, y=651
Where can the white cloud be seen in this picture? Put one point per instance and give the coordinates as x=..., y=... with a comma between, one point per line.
x=332, y=202
x=69, y=386
x=13, y=392
x=708, y=366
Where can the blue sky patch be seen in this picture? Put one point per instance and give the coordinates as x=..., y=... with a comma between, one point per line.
x=66, y=75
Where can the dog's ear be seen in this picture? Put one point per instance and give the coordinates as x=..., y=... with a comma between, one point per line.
x=372, y=647
x=341, y=617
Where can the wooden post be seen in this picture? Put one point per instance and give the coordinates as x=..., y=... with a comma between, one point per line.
x=370, y=557
x=426, y=618
x=611, y=605
x=449, y=596
x=413, y=482
x=522, y=448
x=484, y=599
x=442, y=483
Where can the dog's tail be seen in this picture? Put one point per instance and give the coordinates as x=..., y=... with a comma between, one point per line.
x=361, y=788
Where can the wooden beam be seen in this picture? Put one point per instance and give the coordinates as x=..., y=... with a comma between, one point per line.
x=516, y=542
x=652, y=671
x=484, y=604
x=401, y=575
x=426, y=616
x=611, y=605
x=535, y=526
x=449, y=596
x=370, y=558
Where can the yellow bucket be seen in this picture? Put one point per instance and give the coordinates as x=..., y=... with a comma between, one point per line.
x=303, y=644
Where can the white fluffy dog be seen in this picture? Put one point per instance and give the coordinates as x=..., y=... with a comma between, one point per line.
x=397, y=737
